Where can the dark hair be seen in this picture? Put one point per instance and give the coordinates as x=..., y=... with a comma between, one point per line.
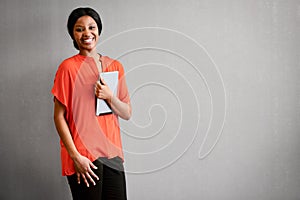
x=76, y=14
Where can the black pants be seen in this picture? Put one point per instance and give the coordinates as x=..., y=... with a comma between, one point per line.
x=110, y=186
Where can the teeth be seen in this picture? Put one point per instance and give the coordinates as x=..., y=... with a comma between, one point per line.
x=88, y=40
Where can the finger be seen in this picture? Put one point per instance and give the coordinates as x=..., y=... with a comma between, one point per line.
x=91, y=171
x=99, y=95
x=98, y=92
x=90, y=178
x=85, y=180
x=78, y=177
x=93, y=166
x=97, y=85
x=94, y=175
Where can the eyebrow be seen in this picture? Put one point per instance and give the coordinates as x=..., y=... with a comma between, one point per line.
x=92, y=23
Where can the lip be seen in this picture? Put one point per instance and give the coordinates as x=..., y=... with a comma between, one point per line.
x=88, y=40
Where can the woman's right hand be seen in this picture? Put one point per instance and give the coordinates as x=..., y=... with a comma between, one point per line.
x=82, y=164
x=83, y=167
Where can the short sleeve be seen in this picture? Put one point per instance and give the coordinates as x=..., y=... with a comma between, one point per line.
x=62, y=86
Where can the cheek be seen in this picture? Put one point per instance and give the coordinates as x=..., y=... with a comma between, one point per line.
x=76, y=35
x=96, y=32
x=96, y=36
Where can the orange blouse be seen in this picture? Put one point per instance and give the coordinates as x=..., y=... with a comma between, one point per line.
x=94, y=136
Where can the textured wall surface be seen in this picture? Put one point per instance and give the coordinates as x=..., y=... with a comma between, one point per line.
x=214, y=85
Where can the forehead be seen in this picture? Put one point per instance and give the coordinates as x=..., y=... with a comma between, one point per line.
x=84, y=20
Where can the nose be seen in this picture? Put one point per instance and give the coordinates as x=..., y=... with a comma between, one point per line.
x=86, y=32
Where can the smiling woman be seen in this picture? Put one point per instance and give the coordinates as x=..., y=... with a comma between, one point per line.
x=86, y=34
x=91, y=148
x=77, y=20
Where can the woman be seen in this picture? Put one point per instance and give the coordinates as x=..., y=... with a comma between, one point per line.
x=91, y=149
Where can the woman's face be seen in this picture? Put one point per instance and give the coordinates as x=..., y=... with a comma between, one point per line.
x=86, y=33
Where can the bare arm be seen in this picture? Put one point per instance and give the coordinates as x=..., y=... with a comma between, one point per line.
x=120, y=108
x=82, y=164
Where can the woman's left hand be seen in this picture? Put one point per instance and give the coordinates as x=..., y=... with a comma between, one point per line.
x=120, y=108
x=102, y=91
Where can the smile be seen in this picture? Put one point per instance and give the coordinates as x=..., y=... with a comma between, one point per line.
x=88, y=40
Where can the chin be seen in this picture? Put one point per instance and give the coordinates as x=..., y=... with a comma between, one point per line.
x=89, y=48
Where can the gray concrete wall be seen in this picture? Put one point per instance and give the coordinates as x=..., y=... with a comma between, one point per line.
x=214, y=88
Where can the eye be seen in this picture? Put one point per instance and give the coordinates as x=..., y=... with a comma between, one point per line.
x=92, y=27
x=79, y=29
